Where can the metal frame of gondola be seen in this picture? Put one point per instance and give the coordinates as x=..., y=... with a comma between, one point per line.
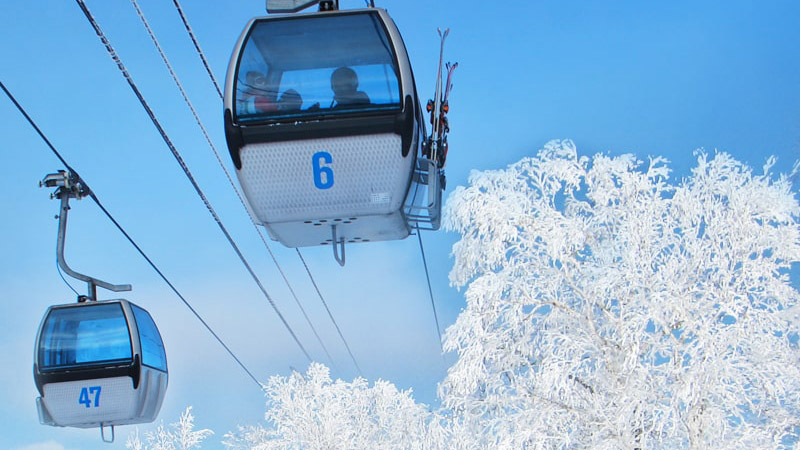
x=423, y=212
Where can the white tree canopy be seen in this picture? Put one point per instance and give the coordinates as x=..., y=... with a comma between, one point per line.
x=316, y=413
x=605, y=308
x=180, y=435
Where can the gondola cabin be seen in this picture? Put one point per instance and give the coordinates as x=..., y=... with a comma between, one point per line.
x=99, y=363
x=324, y=126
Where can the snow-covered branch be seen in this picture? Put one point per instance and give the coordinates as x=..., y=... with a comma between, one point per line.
x=609, y=308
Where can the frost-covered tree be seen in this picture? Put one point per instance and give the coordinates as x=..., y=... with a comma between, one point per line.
x=314, y=412
x=607, y=308
x=180, y=435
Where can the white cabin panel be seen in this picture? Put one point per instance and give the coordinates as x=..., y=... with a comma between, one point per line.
x=87, y=403
x=384, y=227
x=338, y=177
x=107, y=401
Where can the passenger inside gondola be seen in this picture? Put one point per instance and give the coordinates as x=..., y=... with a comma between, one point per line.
x=257, y=98
x=342, y=65
x=344, y=83
x=255, y=95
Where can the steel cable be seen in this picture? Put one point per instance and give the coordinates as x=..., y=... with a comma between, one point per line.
x=186, y=170
x=430, y=289
x=197, y=46
x=238, y=194
x=227, y=174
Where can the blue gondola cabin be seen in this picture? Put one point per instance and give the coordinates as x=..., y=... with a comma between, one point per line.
x=99, y=364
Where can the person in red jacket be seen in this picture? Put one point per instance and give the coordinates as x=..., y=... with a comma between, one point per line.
x=255, y=96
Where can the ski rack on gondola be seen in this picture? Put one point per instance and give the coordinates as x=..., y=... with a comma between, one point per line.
x=424, y=212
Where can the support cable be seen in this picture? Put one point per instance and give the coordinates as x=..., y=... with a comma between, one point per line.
x=329, y=311
x=230, y=179
x=199, y=51
x=60, y=274
x=430, y=289
x=186, y=170
x=241, y=200
x=308, y=271
x=197, y=46
x=127, y=236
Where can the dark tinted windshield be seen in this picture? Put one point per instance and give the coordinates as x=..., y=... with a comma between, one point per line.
x=301, y=66
x=85, y=335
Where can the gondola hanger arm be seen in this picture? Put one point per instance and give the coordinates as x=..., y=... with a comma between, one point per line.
x=69, y=186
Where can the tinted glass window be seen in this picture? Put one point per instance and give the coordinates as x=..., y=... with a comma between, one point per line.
x=85, y=335
x=153, y=354
x=301, y=66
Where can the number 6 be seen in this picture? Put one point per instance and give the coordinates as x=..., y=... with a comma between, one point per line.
x=316, y=163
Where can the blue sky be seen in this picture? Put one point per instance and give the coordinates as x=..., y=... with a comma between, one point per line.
x=614, y=76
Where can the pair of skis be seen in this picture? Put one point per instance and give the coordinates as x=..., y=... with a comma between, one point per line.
x=438, y=107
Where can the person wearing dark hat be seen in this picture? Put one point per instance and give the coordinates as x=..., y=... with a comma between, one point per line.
x=344, y=83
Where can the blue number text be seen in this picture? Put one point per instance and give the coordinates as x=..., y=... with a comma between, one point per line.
x=84, y=398
x=317, y=160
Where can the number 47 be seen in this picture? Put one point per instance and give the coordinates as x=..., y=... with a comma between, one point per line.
x=84, y=397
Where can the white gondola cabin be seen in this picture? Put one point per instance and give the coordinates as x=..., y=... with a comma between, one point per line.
x=99, y=363
x=325, y=128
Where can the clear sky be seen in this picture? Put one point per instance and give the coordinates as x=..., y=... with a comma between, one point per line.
x=650, y=78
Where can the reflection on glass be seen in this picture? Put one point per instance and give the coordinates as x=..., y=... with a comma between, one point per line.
x=301, y=66
x=153, y=354
x=85, y=335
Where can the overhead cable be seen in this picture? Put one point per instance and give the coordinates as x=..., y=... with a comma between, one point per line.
x=127, y=236
x=313, y=281
x=241, y=200
x=197, y=46
x=430, y=289
x=219, y=159
x=186, y=170
x=329, y=311
x=308, y=271
x=427, y=274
